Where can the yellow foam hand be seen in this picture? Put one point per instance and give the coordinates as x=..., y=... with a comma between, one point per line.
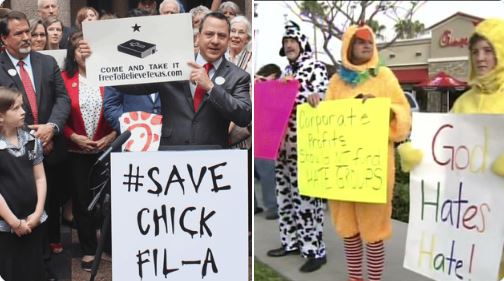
x=410, y=157
x=498, y=166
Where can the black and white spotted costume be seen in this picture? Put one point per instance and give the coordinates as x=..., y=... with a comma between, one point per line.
x=301, y=218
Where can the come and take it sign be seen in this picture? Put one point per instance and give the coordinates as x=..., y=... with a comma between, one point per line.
x=179, y=215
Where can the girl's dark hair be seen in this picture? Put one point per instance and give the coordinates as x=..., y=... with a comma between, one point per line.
x=71, y=66
x=269, y=69
x=7, y=98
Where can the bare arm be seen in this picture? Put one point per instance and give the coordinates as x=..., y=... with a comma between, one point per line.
x=40, y=181
x=6, y=214
x=19, y=226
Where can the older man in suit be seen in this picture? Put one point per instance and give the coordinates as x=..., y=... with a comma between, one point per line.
x=46, y=102
x=198, y=112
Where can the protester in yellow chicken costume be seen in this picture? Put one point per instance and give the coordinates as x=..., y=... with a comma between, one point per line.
x=486, y=78
x=361, y=76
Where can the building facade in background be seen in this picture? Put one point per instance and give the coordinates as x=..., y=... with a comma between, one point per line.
x=417, y=60
x=69, y=8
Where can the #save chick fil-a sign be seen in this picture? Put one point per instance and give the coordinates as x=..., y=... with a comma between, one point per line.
x=456, y=229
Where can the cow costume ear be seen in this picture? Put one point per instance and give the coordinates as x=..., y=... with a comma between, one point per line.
x=306, y=47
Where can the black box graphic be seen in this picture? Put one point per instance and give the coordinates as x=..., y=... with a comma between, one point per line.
x=137, y=48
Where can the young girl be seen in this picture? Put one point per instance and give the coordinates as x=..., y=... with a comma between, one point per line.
x=22, y=194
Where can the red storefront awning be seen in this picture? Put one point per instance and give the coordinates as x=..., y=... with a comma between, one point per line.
x=442, y=81
x=411, y=76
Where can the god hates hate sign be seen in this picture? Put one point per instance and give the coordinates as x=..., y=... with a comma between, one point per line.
x=455, y=229
x=139, y=50
x=179, y=215
x=343, y=149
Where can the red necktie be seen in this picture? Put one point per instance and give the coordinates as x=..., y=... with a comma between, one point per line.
x=200, y=92
x=30, y=93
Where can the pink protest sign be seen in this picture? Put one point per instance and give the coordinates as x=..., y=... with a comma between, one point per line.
x=273, y=101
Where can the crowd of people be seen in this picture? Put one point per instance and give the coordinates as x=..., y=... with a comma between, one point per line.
x=362, y=226
x=54, y=124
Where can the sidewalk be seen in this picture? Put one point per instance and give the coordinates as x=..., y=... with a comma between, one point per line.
x=66, y=265
x=266, y=237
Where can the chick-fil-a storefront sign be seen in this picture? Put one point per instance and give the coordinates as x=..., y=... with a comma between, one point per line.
x=448, y=40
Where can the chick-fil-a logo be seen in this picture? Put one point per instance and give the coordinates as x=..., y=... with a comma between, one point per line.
x=447, y=40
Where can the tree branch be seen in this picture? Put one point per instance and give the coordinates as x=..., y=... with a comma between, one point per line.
x=377, y=9
x=325, y=16
x=337, y=5
x=328, y=52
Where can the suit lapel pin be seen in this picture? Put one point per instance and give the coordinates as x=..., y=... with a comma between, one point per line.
x=12, y=72
x=74, y=84
x=220, y=80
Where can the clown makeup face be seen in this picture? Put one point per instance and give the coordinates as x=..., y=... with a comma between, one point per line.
x=362, y=51
x=291, y=48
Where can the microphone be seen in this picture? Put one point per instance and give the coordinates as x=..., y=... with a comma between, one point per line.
x=122, y=138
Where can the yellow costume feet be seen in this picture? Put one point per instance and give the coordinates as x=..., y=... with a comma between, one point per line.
x=410, y=157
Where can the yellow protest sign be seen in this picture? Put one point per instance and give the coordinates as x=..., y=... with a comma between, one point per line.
x=342, y=149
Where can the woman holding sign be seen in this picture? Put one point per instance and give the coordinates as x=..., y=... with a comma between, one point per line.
x=486, y=77
x=88, y=134
x=361, y=76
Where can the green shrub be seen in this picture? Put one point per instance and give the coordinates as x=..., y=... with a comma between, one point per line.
x=400, y=201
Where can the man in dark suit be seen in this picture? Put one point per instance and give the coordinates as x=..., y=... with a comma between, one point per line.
x=38, y=78
x=198, y=112
x=52, y=102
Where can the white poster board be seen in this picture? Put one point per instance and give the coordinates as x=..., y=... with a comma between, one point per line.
x=139, y=49
x=179, y=215
x=58, y=55
x=455, y=229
